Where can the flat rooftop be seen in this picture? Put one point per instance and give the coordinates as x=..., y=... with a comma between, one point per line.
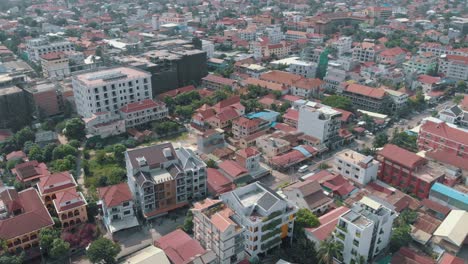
x=357, y=219
x=10, y=90
x=110, y=75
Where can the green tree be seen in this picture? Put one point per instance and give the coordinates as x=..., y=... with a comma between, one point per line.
x=188, y=222
x=36, y=153
x=400, y=237
x=305, y=219
x=119, y=152
x=24, y=135
x=47, y=237
x=461, y=87
x=406, y=141
x=380, y=140
x=328, y=250
x=338, y=101
x=48, y=151
x=458, y=98
x=59, y=248
x=11, y=259
x=211, y=164
x=74, y=129
x=103, y=250
x=323, y=166
x=64, y=150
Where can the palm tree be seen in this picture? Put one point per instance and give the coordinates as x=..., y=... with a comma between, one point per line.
x=328, y=250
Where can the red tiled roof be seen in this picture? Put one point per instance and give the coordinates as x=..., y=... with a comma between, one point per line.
x=448, y=258
x=248, y=152
x=328, y=223
x=428, y=79
x=232, y=168
x=445, y=131
x=55, y=182
x=458, y=58
x=245, y=122
x=407, y=256
x=218, y=183
x=31, y=170
x=175, y=92
x=400, y=156
x=377, y=93
x=219, y=79
x=284, y=127
x=179, y=247
x=16, y=155
x=435, y=206
x=138, y=106
x=71, y=196
x=35, y=216
x=291, y=98
x=291, y=114
x=280, y=77
x=115, y=195
x=53, y=56
x=449, y=158
x=393, y=52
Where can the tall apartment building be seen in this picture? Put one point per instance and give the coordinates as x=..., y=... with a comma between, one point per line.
x=408, y=171
x=44, y=99
x=266, y=217
x=37, y=47
x=55, y=65
x=321, y=122
x=109, y=90
x=353, y=165
x=14, y=109
x=343, y=45
x=366, y=51
x=365, y=97
x=365, y=230
x=454, y=67
x=216, y=229
x=162, y=178
x=334, y=77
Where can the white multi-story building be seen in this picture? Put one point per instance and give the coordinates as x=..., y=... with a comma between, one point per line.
x=399, y=99
x=355, y=166
x=366, y=51
x=117, y=207
x=454, y=67
x=104, y=124
x=343, y=45
x=248, y=34
x=319, y=121
x=55, y=65
x=216, y=229
x=266, y=217
x=162, y=178
x=365, y=230
x=421, y=63
x=306, y=69
x=274, y=34
x=109, y=90
x=37, y=47
x=335, y=76
x=142, y=112
x=208, y=47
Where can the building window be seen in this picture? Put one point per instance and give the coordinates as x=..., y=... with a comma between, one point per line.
x=127, y=212
x=126, y=204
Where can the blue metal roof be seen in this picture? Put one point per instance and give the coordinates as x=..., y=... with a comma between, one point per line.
x=303, y=151
x=450, y=192
x=267, y=115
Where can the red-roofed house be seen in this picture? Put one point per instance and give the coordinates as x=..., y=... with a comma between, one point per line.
x=215, y=82
x=24, y=216
x=243, y=127
x=218, y=183
x=448, y=258
x=234, y=171
x=291, y=117
x=249, y=158
x=393, y=56
x=408, y=256
x=309, y=195
x=180, y=248
x=175, y=92
x=70, y=206
x=328, y=223
x=16, y=155
x=117, y=207
x=29, y=173
x=142, y=112
x=49, y=186
x=220, y=115
x=55, y=65
x=295, y=156
x=365, y=97
x=407, y=170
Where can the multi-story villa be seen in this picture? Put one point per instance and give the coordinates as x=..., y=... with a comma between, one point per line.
x=266, y=217
x=216, y=229
x=355, y=166
x=162, y=178
x=365, y=230
x=37, y=47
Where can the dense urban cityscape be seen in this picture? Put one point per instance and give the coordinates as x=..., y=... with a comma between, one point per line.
x=234, y=132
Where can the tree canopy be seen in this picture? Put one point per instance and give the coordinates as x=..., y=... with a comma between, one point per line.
x=104, y=251
x=338, y=101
